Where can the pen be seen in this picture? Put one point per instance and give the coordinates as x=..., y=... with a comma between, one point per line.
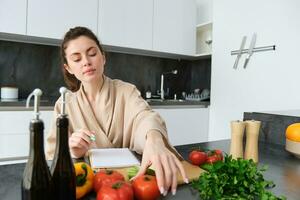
x=93, y=138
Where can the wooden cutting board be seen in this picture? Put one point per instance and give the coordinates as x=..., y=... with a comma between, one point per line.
x=193, y=172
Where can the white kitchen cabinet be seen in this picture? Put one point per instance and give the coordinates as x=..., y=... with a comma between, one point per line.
x=14, y=132
x=204, y=11
x=174, y=26
x=52, y=19
x=204, y=39
x=129, y=24
x=271, y=79
x=186, y=125
x=161, y=27
x=204, y=27
x=13, y=16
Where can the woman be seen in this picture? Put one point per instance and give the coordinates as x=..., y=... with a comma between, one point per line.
x=111, y=110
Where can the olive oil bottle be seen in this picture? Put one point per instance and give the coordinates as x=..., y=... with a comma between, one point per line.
x=62, y=168
x=36, y=183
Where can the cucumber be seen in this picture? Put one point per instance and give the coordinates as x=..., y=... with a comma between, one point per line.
x=132, y=171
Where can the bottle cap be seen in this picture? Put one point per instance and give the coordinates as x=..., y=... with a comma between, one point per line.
x=63, y=91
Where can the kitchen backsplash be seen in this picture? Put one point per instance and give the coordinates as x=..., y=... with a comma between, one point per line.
x=28, y=66
x=273, y=126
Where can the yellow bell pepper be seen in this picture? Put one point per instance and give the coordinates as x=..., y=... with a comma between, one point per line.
x=84, y=179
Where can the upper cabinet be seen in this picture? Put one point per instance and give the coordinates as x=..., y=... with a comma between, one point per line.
x=13, y=16
x=204, y=11
x=51, y=19
x=129, y=24
x=204, y=27
x=174, y=26
x=204, y=39
x=164, y=28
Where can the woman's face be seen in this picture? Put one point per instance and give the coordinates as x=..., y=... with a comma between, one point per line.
x=85, y=59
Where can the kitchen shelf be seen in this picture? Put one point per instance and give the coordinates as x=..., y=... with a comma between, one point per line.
x=203, y=25
x=203, y=55
x=204, y=38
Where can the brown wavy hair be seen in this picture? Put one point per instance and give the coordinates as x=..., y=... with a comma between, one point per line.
x=72, y=82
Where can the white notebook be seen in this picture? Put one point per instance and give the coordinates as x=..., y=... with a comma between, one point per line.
x=112, y=158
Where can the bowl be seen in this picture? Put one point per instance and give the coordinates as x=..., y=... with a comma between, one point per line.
x=293, y=147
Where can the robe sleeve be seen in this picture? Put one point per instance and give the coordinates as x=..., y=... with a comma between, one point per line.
x=143, y=119
x=51, y=136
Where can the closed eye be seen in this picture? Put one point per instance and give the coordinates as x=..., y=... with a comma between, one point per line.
x=92, y=54
x=76, y=60
x=92, y=51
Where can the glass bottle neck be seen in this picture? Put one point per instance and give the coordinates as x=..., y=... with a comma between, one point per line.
x=36, y=150
x=62, y=138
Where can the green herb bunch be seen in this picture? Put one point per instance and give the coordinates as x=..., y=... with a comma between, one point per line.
x=234, y=179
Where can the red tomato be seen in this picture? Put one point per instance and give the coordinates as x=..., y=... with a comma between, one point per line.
x=145, y=188
x=212, y=159
x=119, y=190
x=104, y=177
x=214, y=156
x=219, y=153
x=197, y=157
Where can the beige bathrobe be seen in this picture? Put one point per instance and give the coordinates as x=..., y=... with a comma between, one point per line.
x=122, y=117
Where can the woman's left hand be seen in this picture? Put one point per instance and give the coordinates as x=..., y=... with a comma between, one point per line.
x=164, y=162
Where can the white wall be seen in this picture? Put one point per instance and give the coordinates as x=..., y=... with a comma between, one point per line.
x=272, y=79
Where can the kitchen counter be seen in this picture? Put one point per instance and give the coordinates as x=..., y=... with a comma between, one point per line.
x=20, y=105
x=284, y=170
x=178, y=103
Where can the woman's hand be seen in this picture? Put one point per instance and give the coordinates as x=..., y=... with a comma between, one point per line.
x=164, y=162
x=80, y=142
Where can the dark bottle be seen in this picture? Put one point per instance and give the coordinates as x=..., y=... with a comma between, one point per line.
x=62, y=168
x=36, y=183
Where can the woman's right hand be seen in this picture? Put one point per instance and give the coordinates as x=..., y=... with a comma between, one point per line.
x=80, y=142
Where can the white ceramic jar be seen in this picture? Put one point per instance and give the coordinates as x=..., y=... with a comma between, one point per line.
x=9, y=93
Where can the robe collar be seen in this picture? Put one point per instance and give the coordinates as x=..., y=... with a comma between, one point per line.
x=102, y=110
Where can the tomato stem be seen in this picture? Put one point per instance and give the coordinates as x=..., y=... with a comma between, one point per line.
x=108, y=171
x=146, y=178
x=117, y=185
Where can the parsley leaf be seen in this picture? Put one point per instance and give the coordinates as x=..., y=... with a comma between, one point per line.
x=234, y=180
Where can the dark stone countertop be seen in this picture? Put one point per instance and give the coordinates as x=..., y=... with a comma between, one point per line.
x=22, y=102
x=45, y=104
x=178, y=103
x=20, y=105
x=284, y=170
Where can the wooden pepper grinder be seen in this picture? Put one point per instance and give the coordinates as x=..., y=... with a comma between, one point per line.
x=252, y=133
x=237, y=134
